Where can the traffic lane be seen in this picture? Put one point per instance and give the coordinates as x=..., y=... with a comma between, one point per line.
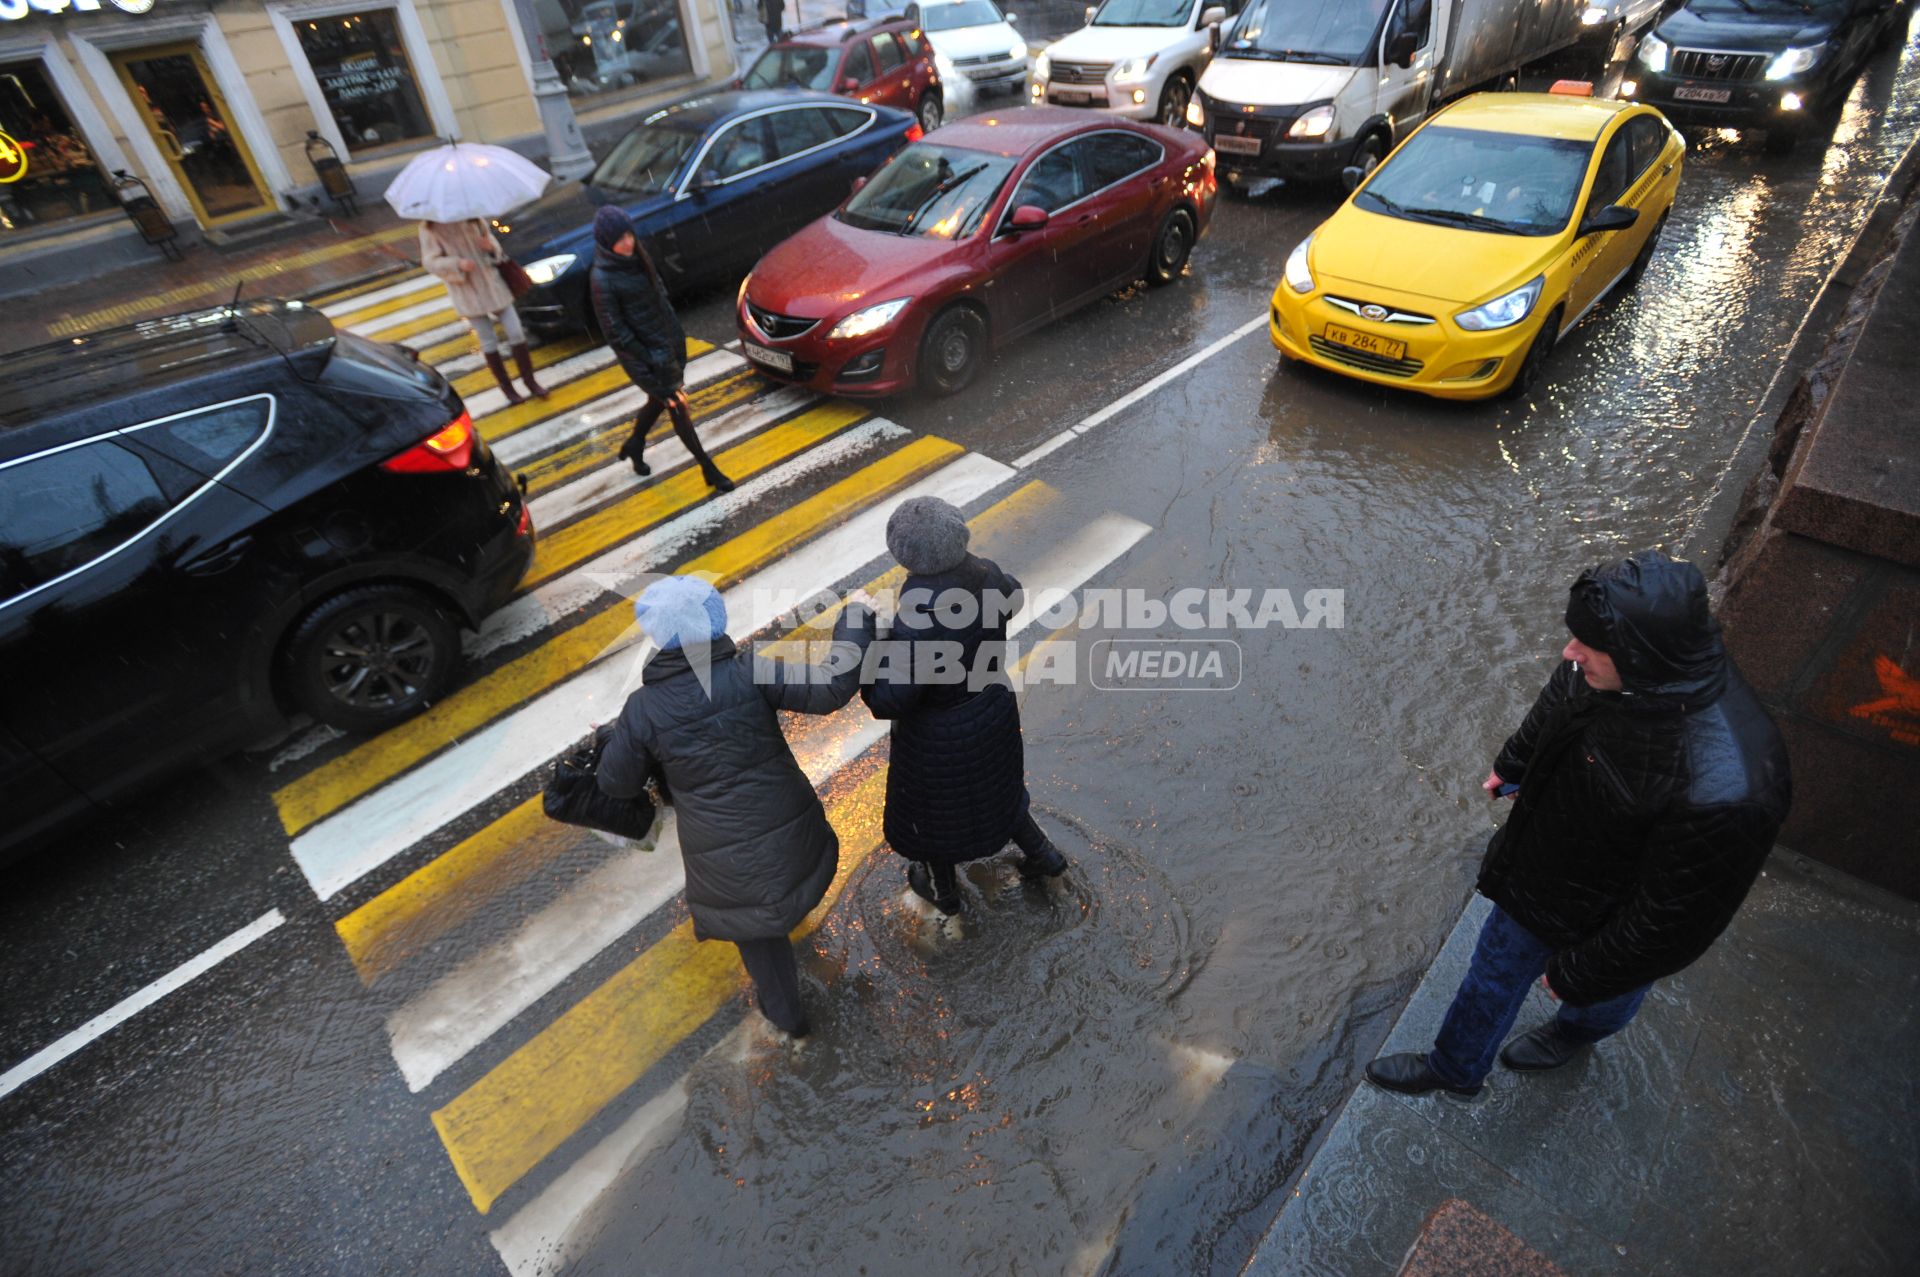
x=249, y=1122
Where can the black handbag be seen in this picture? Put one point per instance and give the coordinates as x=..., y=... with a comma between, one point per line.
x=573, y=796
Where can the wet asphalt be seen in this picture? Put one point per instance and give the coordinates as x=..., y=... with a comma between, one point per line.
x=1261, y=875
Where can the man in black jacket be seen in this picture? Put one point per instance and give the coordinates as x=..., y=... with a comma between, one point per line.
x=1651, y=784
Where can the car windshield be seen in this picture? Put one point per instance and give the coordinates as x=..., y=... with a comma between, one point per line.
x=961, y=13
x=1502, y=182
x=938, y=191
x=1770, y=6
x=1339, y=34
x=645, y=159
x=795, y=66
x=1143, y=13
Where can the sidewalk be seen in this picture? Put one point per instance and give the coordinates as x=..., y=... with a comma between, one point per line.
x=1757, y=1118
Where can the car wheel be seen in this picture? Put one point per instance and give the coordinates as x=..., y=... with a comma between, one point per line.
x=1536, y=359
x=1173, y=102
x=931, y=111
x=1645, y=257
x=369, y=657
x=1367, y=156
x=1172, y=244
x=952, y=351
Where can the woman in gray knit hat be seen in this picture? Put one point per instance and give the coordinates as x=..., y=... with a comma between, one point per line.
x=956, y=782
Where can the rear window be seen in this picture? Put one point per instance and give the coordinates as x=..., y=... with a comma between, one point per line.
x=379, y=369
x=211, y=440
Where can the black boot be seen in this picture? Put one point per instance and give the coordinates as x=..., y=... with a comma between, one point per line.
x=631, y=451
x=715, y=480
x=1047, y=862
x=1544, y=1048
x=1410, y=1074
x=920, y=878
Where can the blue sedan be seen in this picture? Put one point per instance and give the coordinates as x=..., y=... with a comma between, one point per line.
x=711, y=184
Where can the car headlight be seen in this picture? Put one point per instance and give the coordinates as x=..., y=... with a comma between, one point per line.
x=1043, y=67
x=1315, y=123
x=1196, y=116
x=1503, y=312
x=862, y=323
x=1792, y=62
x=548, y=269
x=1592, y=16
x=1653, y=53
x=1019, y=50
x=1299, y=277
x=1130, y=69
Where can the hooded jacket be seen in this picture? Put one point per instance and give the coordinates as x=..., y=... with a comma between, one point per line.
x=1643, y=815
x=636, y=319
x=759, y=851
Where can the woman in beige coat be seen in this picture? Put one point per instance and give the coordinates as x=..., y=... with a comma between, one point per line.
x=466, y=258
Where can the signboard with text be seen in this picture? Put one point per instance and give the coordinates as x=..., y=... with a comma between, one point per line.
x=12, y=10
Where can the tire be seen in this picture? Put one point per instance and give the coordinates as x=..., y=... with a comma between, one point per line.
x=952, y=351
x=1645, y=256
x=1536, y=358
x=1367, y=155
x=370, y=657
x=1172, y=245
x=1172, y=111
x=931, y=110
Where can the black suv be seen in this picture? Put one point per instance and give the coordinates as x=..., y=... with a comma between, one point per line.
x=211, y=521
x=1765, y=64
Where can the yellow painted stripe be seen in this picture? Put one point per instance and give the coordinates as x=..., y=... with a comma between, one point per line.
x=537, y=1098
x=452, y=348
x=361, y=289
x=414, y=327
x=557, y=550
x=514, y=418
x=543, y=357
x=336, y=783
x=603, y=445
x=444, y=893
x=412, y=298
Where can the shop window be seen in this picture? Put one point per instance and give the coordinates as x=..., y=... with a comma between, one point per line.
x=365, y=77
x=605, y=47
x=58, y=177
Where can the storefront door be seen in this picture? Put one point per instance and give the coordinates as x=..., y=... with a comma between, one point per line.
x=175, y=94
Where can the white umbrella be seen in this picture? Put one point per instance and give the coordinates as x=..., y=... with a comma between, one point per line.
x=464, y=180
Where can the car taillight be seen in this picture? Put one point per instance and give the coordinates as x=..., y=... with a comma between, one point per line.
x=448, y=448
x=526, y=521
x=915, y=133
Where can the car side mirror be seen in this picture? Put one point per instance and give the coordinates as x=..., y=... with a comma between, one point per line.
x=1028, y=217
x=1350, y=176
x=1614, y=217
x=849, y=85
x=1213, y=15
x=1091, y=10
x=1401, y=48
x=1013, y=19
x=859, y=182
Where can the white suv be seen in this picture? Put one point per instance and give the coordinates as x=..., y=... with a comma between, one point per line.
x=1138, y=58
x=976, y=39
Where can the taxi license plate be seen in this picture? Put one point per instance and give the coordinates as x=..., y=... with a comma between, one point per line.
x=1695, y=93
x=1385, y=347
x=778, y=360
x=1229, y=144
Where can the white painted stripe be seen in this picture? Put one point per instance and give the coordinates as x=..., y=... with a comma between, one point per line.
x=556, y=432
x=433, y=337
x=127, y=1008
x=434, y=1031
x=419, y=310
x=413, y=283
x=338, y=851
x=1134, y=396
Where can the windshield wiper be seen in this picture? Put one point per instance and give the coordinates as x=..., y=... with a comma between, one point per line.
x=906, y=227
x=1455, y=217
x=1290, y=55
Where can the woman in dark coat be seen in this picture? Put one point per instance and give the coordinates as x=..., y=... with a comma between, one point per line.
x=758, y=849
x=956, y=779
x=637, y=320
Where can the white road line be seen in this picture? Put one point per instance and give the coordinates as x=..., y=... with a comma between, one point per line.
x=433, y=337
x=38, y=1063
x=372, y=328
x=1127, y=400
x=411, y=284
x=338, y=851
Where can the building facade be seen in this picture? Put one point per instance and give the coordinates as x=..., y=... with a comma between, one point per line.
x=221, y=106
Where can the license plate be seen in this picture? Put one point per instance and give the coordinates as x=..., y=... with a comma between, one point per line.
x=1231, y=145
x=1385, y=347
x=778, y=360
x=1695, y=93
x=1079, y=97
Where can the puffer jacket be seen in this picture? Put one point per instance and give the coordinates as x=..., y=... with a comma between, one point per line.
x=758, y=849
x=638, y=321
x=956, y=775
x=1643, y=816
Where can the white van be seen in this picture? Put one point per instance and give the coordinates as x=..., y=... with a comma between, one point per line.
x=1138, y=58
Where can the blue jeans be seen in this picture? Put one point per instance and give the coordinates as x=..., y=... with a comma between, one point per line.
x=1506, y=962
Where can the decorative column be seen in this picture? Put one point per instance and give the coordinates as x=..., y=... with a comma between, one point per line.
x=567, y=154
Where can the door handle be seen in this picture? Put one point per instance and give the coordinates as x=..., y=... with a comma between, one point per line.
x=220, y=558
x=1668, y=169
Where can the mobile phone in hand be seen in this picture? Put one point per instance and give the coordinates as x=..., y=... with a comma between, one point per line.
x=1507, y=789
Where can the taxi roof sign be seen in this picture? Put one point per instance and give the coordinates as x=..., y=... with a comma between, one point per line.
x=1573, y=88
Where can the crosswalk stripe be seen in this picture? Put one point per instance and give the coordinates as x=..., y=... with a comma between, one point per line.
x=380, y=283
x=711, y=380
x=602, y=446
x=353, y=841
x=418, y=316
x=556, y=551
x=504, y=422
x=378, y=305
x=461, y=1010
x=570, y=379
x=340, y=781
x=506, y=1123
x=469, y=381
x=448, y=342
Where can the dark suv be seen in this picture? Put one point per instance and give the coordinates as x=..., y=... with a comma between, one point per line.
x=211, y=521
x=1763, y=64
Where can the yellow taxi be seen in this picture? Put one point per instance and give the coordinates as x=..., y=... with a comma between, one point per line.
x=1455, y=266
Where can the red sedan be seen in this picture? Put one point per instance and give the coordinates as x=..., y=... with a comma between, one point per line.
x=961, y=244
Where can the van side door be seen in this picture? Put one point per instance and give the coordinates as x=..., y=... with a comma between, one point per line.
x=1404, y=92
